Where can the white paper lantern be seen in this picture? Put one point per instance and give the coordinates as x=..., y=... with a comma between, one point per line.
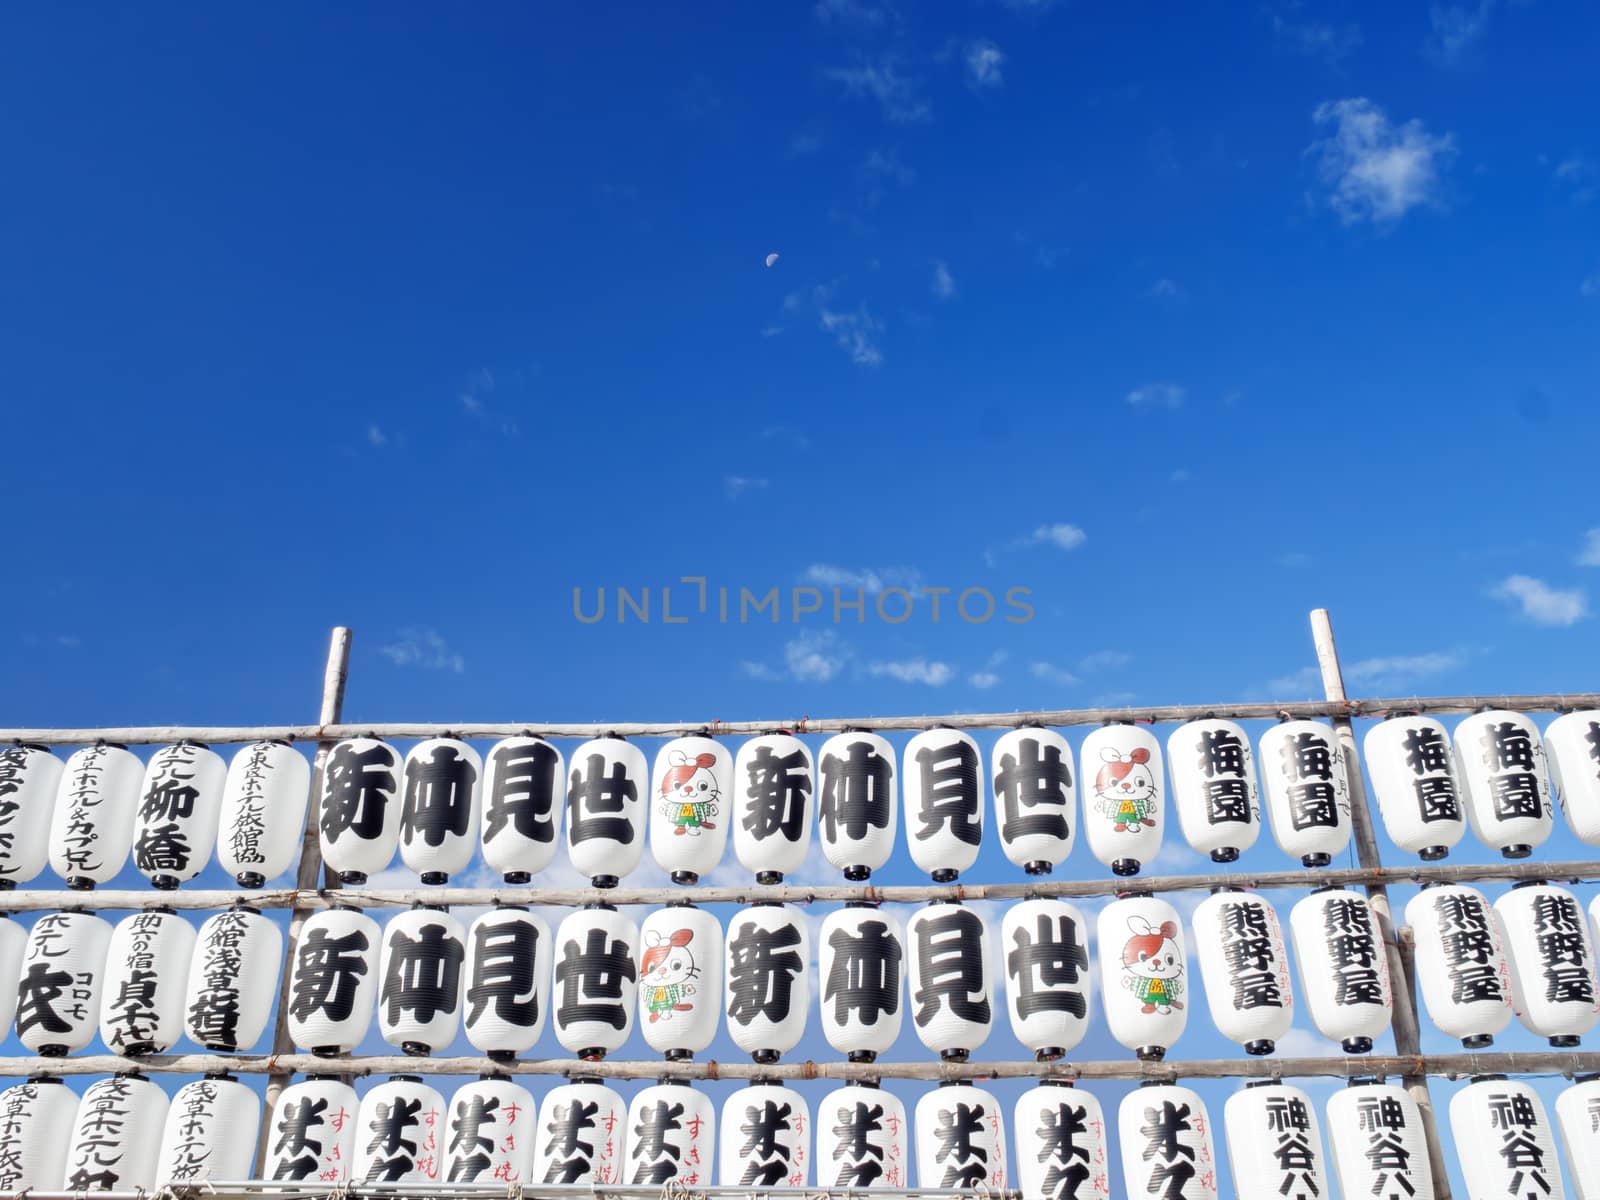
x=1551, y=951
x=30, y=777
x=91, y=826
x=765, y=1138
x=1578, y=1124
x=439, y=815
x=1462, y=969
x=1060, y=1134
x=960, y=1139
x=857, y=810
x=233, y=980
x=607, y=785
x=1505, y=1142
x=680, y=980
x=36, y=1120
x=1214, y=787
x=1144, y=974
x=1124, y=813
x=1500, y=765
x=1572, y=746
x=13, y=945
x=398, y=1132
x=944, y=802
x=672, y=1137
x=419, y=994
x=264, y=801
x=1377, y=1144
x=489, y=1133
x=863, y=1140
x=116, y=1139
x=596, y=980
x=948, y=967
x=1035, y=798
x=1307, y=791
x=690, y=798
x=335, y=980
x=523, y=796
x=766, y=980
x=210, y=1133
x=772, y=805
x=1413, y=775
x=313, y=1134
x=1344, y=971
x=1275, y=1143
x=180, y=801
x=360, y=821
x=1167, y=1147
x=507, y=990
x=59, y=986
x=861, y=963
x=582, y=1139
x=1046, y=947
x=147, y=982
x=1245, y=967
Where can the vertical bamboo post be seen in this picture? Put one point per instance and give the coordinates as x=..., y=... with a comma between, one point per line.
x=308, y=876
x=1407, y=1028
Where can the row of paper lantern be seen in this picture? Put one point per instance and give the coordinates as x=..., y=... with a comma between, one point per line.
x=124, y=1136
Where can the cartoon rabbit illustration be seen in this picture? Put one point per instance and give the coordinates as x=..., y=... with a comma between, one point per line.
x=688, y=793
x=1153, y=965
x=1125, y=788
x=667, y=972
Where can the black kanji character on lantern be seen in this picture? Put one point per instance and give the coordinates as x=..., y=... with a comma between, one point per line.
x=950, y=962
x=503, y=957
x=856, y=791
x=966, y=1163
x=37, y=993
x=596, y=798
x=1247, y=951
x=1347, y=924
x=438, y=795
x=650, y=1142
x=862, y=1156
x=1289, y=1119
x=423, y=975
x=1227, y=800
x=1558, y=926
x=1162, y=1128
x=1307, y=756
x=1221, y=753
x=591, y=979
x=162, y=848
x=1059, y=1130
x=762, y=968
x=299, y=1151
x=766, y=1157
x=523, y=795
x=1506, y=745
x=864, y=977
x=131, y=1013
x=568, y=1152
x=471, y=1150
x=1515, y=796
x=1427, y=753
x=359, y=784
x=1033, y=790
x=328, y=972
x=171, y=798
x=949, y=775
x=1057, y=956
x=1436, y=799
x=1522, y=1154
x=396, y=1153
x=777, y=787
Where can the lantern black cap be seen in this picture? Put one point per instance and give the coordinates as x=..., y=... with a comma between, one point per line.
x=1225, y=854
x=769, y=877
x=1150, y=1054
x=858, y=874
x=7, y=885
x=765, y=1057
x=1316, y=860
x=164, y=883
x=1478, y=1041
x=678, y=1054
x=591, y=1054
x=251, y=879
x=405, y=1079
x=1433, y=853
x=1357, y=1045
x=80, y=883
x=1125, y=866
x=956, y=1056
x=53, y=1051
x=1565, y=1041
x=1260, y=1046
x=134, y=1049
x=434, y=878
x=1037, y=867
x=863, y=1056
x=685, y=878
x=945, y=875
x=354, y=878
x=326, y=1051
x=501, y=1056
x=517, y=878
x=603, y=881
x=1049, y=1053
x=1517, y=851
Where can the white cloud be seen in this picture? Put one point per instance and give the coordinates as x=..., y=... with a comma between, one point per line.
x=1103, y=660
x=1157, y=395
x=1589, y=556
x=422, y=648
x=1113, y=699
x=1181, y=475
x=983, y=680
x=1591, y=286
x=1061, y=535
x=1052, y=674
x=984, y=60
x=376, y=436
x=810, y=658
x=1316, y=39
x=887, y=164
x=1379, y=674
x=1578, y=174
x=1455, y=27
x=1376, y=171
x=1165, y=289
x=895, y=93
x=871, y=580
x=914, y=670
x=850, y=13
x=856, y=333
x=738, y=485
x=944, y=283
x=1541, y=603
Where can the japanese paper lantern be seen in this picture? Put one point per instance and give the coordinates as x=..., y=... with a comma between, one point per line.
x=1462, y=969
x=489, y=1133
x=1500, y=765
x=606, y=789
x=58, y=989
x=1060, y=1135
x=91, y=826
x=1245, y=967
x=313, y=1134
x=672, y=1137
x=680, y=980
x=772, y=805
x=507, y=991
x=1035, y=797
x=13, y=944
x=1275, y=1143
x=439, y=814
x=1551, y=951
x=1578, y=1124
x=264, y=801
x=857, y=810
x=210, y=1133
x=944, y=802
x=1214, y=787
x=147, y=982
x=1572, y=746
x=691, y=791
x=951, y=990
x=1144, y=974
x=1123, y=812
x=36, y=1120
x=863, y=1140
x=1344, y=970
x=523, y=797
x=1413, y=775
x=180, y=801
x=1308, y=794
x=766, y=979
x=335, y=980
x=1377, y=1145
x=233, y=980
x=397, y=1133
x=1167, y=1149
x=960, y=1139
x=861, y=966
x=360, y=822
x=116, y=1139
x=596, y=980
x=765, y=1138
x=419, y=993
x=1505, y=1142
x=1046, y=948
x=582, y=1137
x=30, y=777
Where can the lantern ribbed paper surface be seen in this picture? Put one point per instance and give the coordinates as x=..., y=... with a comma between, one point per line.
x=861, y=964
x=1214, y=787
x=672, y=1137
x=1035, y=798
x=857, y=808
x=1413, y=776
x=439, y=810
x=233, y=979
x=1245, y=966
x=1578, y=1124
x=524, y=796
x=489, y=1133
x=1462, y=969
x=949, y=972
x=1144, y=974
x=1551, y=951
x=1572, y=746
x=582, y=1137
x=507, y=981
x=1060, y=1135
x=1376, y=1144
x=147, y=982
x=116, y=1139
x=1344, y=973
x=313, y=1134
x=680, y=980
x=1045, y=944
x=398, y=1133
x=595, y=980
x=1500, y=765
x=335, y=981
x=180, y=801
x=772, y=803
x=764, y=1138
x=1167, y=1147
x=690, y=796
x=766, y=979
x=62, y=977
x=1124, y=787
x=210, y=1133
x=360, y=810
x=263, y=812
x=1275, y=1144
x=943, y=789
x=863, y=1139
x=30, y=778
x=36, y=1120
x=91, y=827
x=1505, y=1142
x=419, y=989
x=608, y=784
x=1307, y=792
x=960, y=1138
x=13, y=945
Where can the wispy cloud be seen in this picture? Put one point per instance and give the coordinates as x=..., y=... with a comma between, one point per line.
x=1060, y=535
x=1377, y=171
x=1294, y=559
x=896, y=93
x=944, y=283
x=983, y=680
x=422, y=648
x=852, y=14
x=886, y=164
x=474, y=398
x=799, y=439
x=1051, y=673
x=1454, y=29
x=1590, y=287
x=1103, y=660
x=810, y=658
x=1589, y=555
x=914, y=670
x=1180, y=475
x=376, y=436
x=1316, y=39
x=805, y=143
x=871, y=580
x=1165, y=289
x=1541, y=603
x=1158, y=395
x=738, y=485
x=1387, y=673
x=1579, y=176
x=856, y=333
x=984, y=60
